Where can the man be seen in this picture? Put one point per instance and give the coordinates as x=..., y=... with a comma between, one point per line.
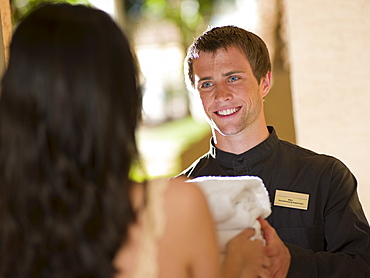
x=321, y=229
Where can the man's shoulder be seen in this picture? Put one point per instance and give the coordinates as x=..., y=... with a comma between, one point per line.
x=292, y=147
x=195, y=166
x=295, y=151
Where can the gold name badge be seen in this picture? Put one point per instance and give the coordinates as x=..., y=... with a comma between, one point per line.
x=291, y=199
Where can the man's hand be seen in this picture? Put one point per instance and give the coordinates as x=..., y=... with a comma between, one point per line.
x=246, y=258
x=276, y=250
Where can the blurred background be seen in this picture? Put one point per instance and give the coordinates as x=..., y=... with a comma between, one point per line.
x=321, y=74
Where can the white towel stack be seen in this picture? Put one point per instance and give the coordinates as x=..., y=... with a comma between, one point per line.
x=235, y=204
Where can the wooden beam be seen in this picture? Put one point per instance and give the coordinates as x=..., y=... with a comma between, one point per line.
x=6, y=27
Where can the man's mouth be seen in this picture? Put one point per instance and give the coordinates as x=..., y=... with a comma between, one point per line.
x=227, y=112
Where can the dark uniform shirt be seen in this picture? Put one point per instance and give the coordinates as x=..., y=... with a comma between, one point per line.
x=328, y=239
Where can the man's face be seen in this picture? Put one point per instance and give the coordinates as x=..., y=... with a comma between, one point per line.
x=231, y=96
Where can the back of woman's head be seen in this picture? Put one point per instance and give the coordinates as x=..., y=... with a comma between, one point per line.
x=69, y=108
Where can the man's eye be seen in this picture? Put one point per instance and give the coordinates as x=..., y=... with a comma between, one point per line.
x=233, y=78
x=206, y=85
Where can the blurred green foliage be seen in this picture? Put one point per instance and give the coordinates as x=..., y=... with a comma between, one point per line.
x=190, y=16
x=20, y=8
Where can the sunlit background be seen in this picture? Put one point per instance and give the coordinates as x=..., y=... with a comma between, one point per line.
x=161, y=31
x=321, y=74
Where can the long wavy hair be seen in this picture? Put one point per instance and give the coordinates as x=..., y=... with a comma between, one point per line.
x=69, y=108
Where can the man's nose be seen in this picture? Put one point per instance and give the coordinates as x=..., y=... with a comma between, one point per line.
x=222, y=94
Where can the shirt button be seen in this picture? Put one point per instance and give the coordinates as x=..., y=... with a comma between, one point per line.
x=240, y=159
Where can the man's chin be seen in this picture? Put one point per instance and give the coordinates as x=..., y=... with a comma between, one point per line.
x=227, y=132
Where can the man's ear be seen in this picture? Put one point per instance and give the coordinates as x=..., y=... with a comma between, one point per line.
x=266, y=84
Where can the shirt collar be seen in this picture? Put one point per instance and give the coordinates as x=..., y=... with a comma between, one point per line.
x=256, y=153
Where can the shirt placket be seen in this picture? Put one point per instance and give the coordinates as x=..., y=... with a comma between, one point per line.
x=240, y=166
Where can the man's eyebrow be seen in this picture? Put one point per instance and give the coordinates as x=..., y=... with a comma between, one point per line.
x=224, y=75
x=205, y=78
x=232, y=72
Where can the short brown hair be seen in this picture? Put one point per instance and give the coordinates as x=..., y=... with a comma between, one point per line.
x=213, y=39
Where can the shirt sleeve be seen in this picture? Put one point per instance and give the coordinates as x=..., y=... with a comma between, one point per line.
x=347, y=234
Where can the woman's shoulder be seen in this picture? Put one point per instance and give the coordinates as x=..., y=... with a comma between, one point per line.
x=179, y=219
x=176, y=195
x=184, y=195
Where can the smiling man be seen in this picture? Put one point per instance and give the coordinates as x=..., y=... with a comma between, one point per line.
x=232, y=98
x=317, y=227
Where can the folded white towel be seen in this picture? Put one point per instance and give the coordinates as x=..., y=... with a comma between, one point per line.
x=235, y=204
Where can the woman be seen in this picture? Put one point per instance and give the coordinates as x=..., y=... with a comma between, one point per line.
x=69, y=110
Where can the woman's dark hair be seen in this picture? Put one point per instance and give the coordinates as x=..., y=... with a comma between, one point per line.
x=216, y=38
x=69, y=108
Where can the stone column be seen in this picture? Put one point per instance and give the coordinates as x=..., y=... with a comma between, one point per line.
x=329, y=47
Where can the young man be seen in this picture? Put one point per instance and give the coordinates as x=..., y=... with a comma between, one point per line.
x=321, y=229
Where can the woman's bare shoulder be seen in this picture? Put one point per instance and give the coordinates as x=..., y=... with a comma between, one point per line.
x=180, y=193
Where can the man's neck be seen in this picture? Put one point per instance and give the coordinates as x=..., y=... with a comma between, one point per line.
x=241, y=142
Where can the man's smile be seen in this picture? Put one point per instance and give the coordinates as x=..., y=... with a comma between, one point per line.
x=227, y=112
